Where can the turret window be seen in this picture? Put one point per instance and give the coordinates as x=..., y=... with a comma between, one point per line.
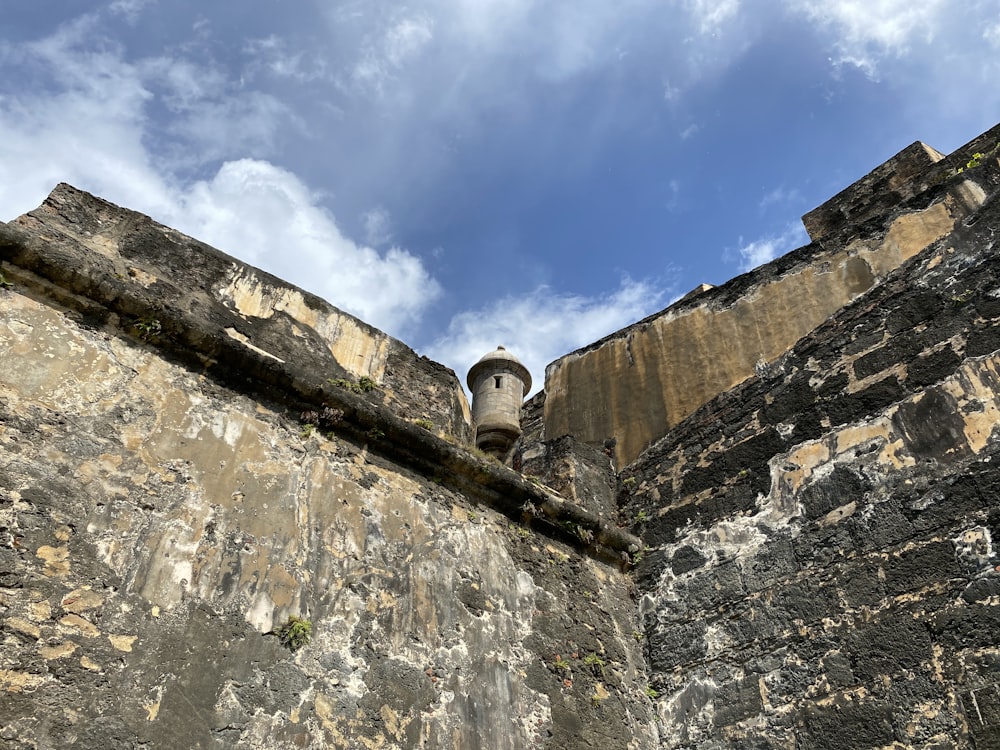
x=496, y=381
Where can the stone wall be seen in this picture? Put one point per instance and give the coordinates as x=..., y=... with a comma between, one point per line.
x=178, y=477
x=823, y=569
x=122, y=267
x=635, y=384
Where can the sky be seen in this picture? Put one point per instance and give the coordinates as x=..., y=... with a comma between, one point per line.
x=468, y=173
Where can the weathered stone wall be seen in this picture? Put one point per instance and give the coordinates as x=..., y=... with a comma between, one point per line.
x=160, y=521
x=214, y=309
x=823, y=569
x=876, y=194
x=634, y=385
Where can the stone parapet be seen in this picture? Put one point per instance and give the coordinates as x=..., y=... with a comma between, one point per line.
x=186, y=296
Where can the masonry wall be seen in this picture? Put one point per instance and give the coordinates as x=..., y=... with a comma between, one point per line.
x=121, y=268
x=635, y=384
x=823, y=568
x=163, y=514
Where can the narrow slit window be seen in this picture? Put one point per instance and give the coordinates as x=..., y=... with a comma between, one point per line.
x=496, y=381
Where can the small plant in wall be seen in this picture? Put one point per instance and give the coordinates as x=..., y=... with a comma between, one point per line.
x=561, y=664
x=556, y=557
x=325, y=420
x=4, y=283
x=583, y=534
x=596, y=663
x=364, y=384
x=295, y=633
x=638, y=556
x=147, y=328
x=977, y=159
x=960, y=299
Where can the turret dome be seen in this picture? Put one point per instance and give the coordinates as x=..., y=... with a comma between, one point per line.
x=498, y=358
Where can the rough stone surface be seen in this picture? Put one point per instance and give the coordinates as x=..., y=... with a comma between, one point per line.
x=823, y=570
x=167, y=286
x=892, y=183
x=157, y=530
x=160, y=522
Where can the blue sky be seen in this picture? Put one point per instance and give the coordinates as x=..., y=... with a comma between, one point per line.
x=465, y=173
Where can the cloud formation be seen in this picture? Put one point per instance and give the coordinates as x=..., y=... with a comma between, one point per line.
x=89, y=124
x=865, y=31
x=766, y=249
x=268, y=217
x=545, y=324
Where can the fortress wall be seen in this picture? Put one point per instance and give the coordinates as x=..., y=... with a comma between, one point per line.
x=635, y=384
x=211, y=305
x=162, y=515
x=823, y=569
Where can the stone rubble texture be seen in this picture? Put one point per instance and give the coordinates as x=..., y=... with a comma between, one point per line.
x=792, y=544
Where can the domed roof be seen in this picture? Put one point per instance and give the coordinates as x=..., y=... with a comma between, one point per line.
x=500, y=353
x=500, y=357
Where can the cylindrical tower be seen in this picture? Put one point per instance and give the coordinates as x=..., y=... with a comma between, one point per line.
x=499, y=383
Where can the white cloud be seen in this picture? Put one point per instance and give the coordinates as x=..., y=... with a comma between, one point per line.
x=184, y=83
x=89, y=125
x=474, y=51
x=271, y=54
x=865, y=31
x=936, y=58
x=129, y=9
x=542, y=325
x=992, y=35
x=389, y=49
x=378, y=226
x=781, y=197
x=690, y=131
x=768, y=248
x=711, y=15
x=267, y=216
x=485, y=22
